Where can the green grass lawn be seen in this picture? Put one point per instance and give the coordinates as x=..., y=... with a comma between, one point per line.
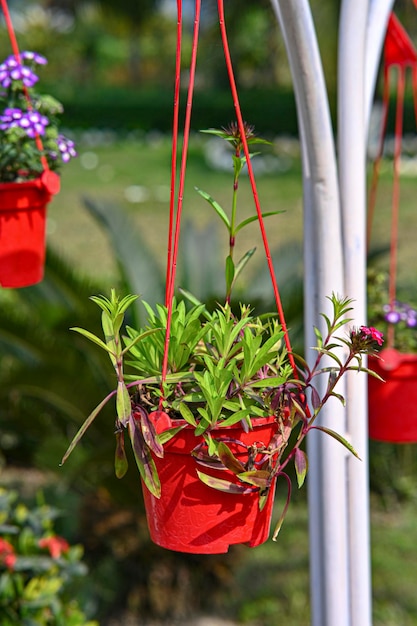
x=141, y=171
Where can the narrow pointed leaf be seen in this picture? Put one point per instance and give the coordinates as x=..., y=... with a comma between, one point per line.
x=255, y=218
x=315, y=398
x=258, y=478
x=339, y=438
x=120, y=460
x=285, y=509
x=228, y=459
x=216, y=206
x=148, y=431
x=92, y=338
x=90, y=419
x=243, y=261
x=223, y=485
x=144, y=460
x=230, y=273
x=123, y=404
x=301, y=466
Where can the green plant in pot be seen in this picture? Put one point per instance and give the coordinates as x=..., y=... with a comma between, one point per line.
x=215, y=404
x=32, y=152
x=392, y=403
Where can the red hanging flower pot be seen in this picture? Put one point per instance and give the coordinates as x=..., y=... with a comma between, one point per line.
x=192, y=517
x=22, y=229
x=393, y=403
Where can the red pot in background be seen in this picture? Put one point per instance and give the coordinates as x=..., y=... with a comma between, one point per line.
x=22, y=229
x=393, y=403
x=192, y=517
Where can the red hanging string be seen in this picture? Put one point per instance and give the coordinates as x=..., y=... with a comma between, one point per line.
x=396, y=198
x=399, y=53
x=15, y=48
x=187, y=124
x=174, y=147
x=239, y=117
x=175, y=214
x=378, y=159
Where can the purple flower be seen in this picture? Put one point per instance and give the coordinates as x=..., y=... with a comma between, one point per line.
x=11, y=70
x=34, y=57
x=400, y=312
x=32, y=122
x=66, y=147
x=392, y=316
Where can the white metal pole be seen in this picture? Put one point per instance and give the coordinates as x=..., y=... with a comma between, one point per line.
x=352, y=182
x=378, y=15
x=323, y=274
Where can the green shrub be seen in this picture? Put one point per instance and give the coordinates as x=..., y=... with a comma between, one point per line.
x=38, y=569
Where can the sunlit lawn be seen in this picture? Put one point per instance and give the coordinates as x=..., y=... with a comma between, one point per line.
x=141, y=171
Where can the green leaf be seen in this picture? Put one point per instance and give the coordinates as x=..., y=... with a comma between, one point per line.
x=144, y=460
x=258, y=478
x=148, y=431
x=242, y=263
x=120, y=460
x=216, y=206
x=90, y=419
x=92, y=338
x=339, y=438
x=229, y=273
x=123, y=404
x=285, y=509
x=223, y=485
x=187, y=414
x=228, y=459
x=301, y=466
x=255, y=218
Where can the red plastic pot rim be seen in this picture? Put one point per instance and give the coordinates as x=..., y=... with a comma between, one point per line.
x=391, y=359
x=184, y=442
x=46, y=185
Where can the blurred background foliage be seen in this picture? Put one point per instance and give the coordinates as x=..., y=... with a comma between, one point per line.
x=111, y=64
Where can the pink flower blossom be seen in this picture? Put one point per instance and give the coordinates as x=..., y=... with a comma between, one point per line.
x=55, y=544
x=372, y=333
x=7, y=555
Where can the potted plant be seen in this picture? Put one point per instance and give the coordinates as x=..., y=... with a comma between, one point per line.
x=215, y=404
x=32, y=152
x=393, y=403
